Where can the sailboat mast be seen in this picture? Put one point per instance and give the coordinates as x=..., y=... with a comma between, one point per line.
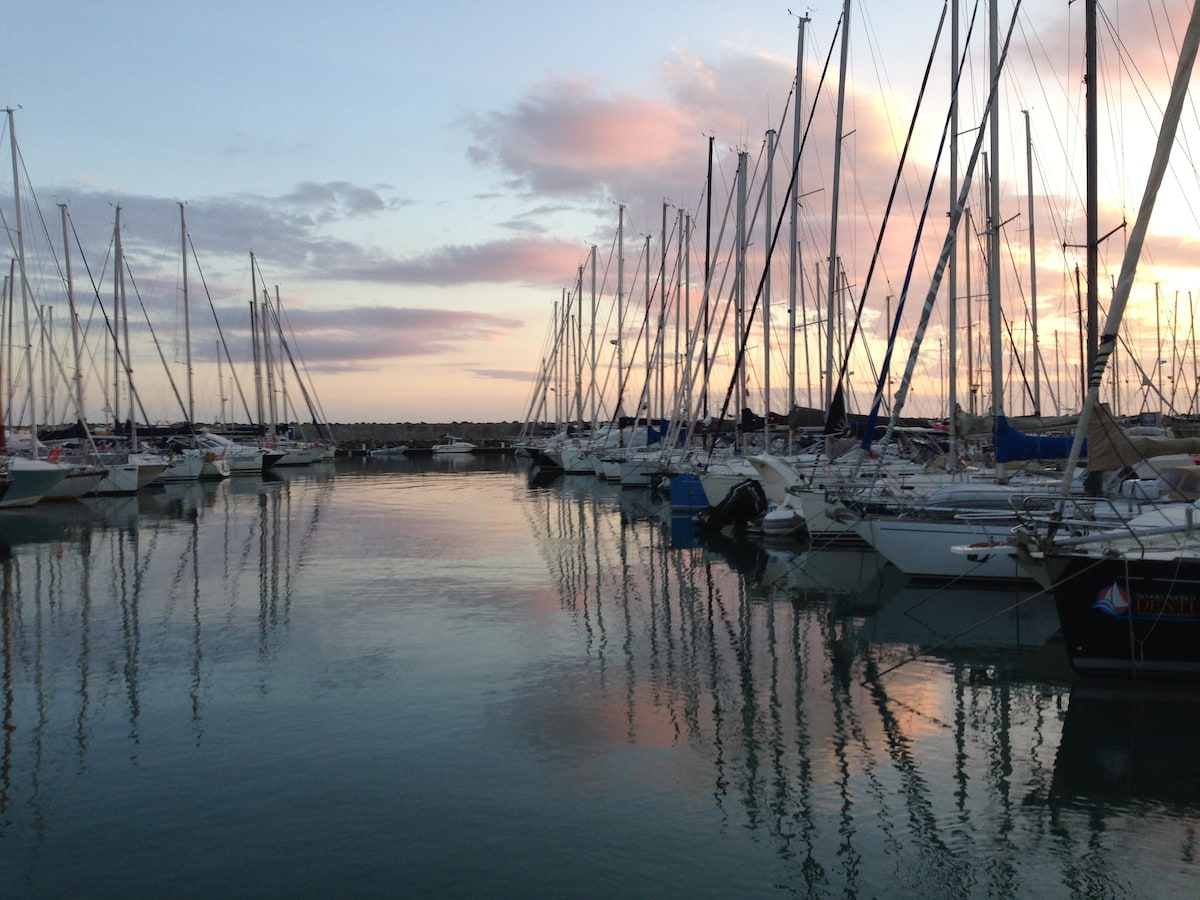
x=269, y=361
x=556, y=360
x=620, y=310
x=45, y=342
x=1033, y=297
x=1092, y=203
x=768, y=218
x=118, y=274
x=686, y=294
x=187, y=318
x=648, y=386
x=579, y=347
x=592, y=384
x=740, y=281
x=254, y=341
x=995, y=321
x=952, y=268
x=277, y=318
x=77, y=381
x=707, y=270
x=794, y=260
x=1137, y=235
x=220, y=388
x=661, y=343
x=833, y=219
x=16, y=169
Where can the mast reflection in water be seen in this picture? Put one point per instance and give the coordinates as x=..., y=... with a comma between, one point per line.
x=424, y=678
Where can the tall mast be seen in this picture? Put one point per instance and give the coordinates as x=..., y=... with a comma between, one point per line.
x=276, y=318
x=579, y=348
x=592, y=385
x=187, y=318
x=688, y=340
x=269, y=361
x=254, y=340
x=768, y=218
x=559, y=338
x=1033, y=297
x=77, y=381
x=220, y=388
x=620, y=310
x=833, y=221
x=682, y=315
x=16, y=169
x=974, y=383
x=1137, y=235
x=740, y=281
x=118, y=275
x=660, y=376
x=707, y=268
x=1092, y=484
x=995, y=323
x=952, y=267
x=794, y=260
x=45, y=342
x=1093, y=220
x=647, y=387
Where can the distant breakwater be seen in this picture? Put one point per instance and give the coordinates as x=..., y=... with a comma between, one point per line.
x=362, y=437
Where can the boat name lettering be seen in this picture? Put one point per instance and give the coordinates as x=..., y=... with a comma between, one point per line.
x=1173, y=606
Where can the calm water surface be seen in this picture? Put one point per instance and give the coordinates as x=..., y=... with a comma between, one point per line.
x=446, y=679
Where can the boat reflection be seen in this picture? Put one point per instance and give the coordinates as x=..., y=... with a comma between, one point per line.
x=950, y=619
x=1126, y=788
x=102, y=593
x=178, y=500
x=771, y=662
x=1132, y=746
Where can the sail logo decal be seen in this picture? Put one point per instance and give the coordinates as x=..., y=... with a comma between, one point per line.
x=1113, y=600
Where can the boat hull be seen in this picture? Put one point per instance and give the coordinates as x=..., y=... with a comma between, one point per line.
x=79, y=481
x=921, y=548
x=30, y=481
x=1128, y=617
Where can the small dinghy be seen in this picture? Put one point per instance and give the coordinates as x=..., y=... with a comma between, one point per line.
x=783, y=521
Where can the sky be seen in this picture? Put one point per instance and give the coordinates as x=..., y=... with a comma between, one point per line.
x=421, y=183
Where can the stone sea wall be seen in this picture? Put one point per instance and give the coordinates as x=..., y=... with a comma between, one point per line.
x=367, y=435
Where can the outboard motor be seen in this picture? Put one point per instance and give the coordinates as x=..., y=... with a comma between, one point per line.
x=744, y=503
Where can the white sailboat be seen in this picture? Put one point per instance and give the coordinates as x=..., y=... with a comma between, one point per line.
x=122, y=472
x=188, y=459
x=268, y=319
x=30, y=478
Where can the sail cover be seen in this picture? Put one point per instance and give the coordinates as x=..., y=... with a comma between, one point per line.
x=1016, y=446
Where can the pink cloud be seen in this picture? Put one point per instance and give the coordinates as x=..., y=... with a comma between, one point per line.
x=564, y=137
x=522, y=260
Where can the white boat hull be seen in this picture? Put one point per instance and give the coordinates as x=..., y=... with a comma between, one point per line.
x=78, y=481
x=920, y=548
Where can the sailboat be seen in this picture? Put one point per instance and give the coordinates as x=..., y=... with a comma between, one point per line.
x=111, y=471
x=29, y=478
x=268, y=320
x=1128, y=597
x=971, y=510
x=188, y=461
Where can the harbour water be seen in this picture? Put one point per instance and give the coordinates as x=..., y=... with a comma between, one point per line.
x=444, y=678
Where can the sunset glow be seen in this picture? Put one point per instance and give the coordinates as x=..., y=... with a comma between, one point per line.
x=424, y=193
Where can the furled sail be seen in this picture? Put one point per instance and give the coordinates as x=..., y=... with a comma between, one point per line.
x=1111, y=446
